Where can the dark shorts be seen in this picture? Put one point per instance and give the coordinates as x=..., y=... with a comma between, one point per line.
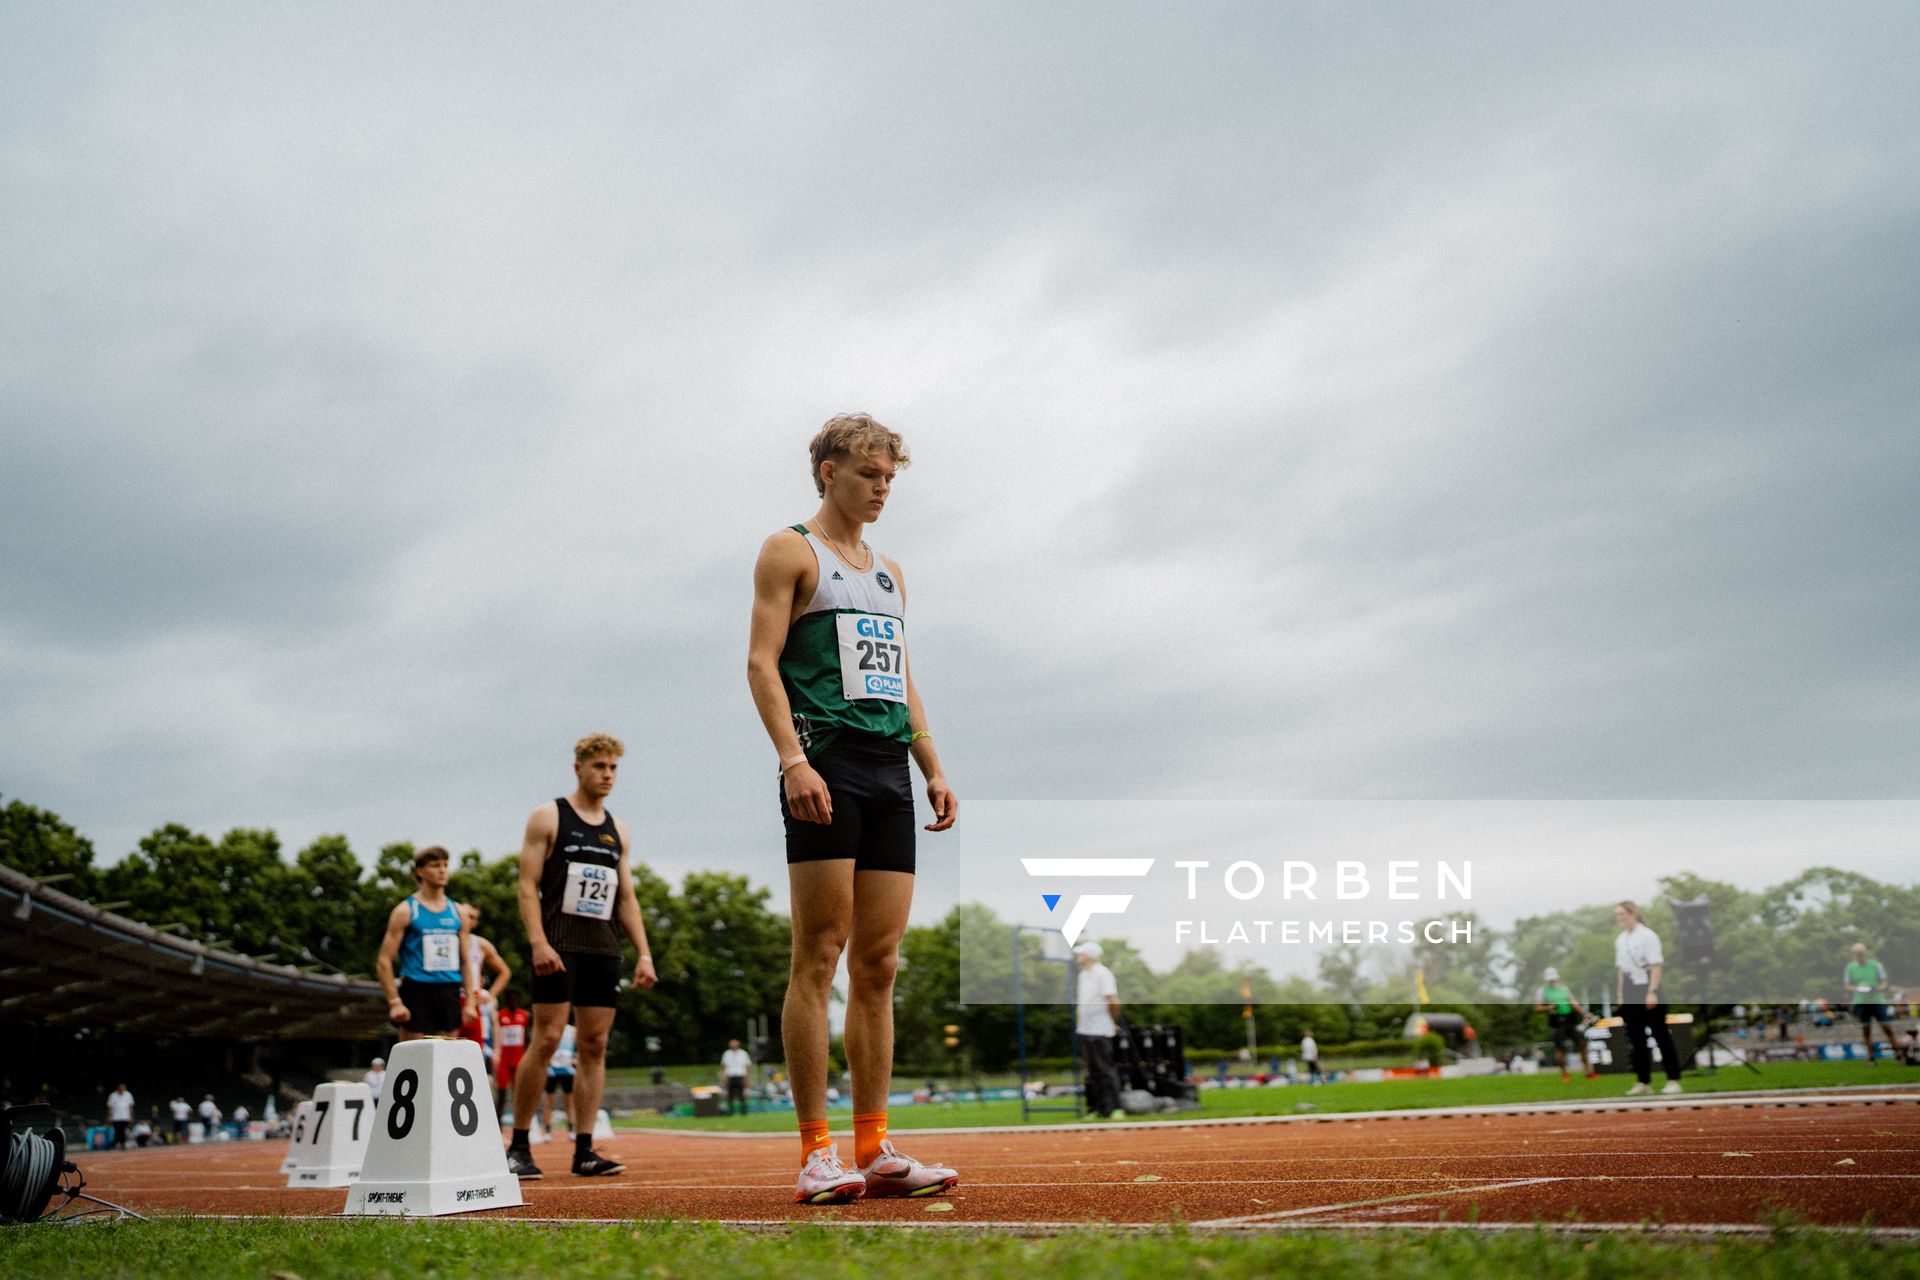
x=587, y=982
x=433, y=1007
x=562, y=1083
x=1566, y=1029
x=1868, y=1014
x=872, y=792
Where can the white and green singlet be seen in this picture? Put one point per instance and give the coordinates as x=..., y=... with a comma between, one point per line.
x=845, y=661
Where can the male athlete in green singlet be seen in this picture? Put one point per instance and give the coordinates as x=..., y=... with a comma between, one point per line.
x=827, y=663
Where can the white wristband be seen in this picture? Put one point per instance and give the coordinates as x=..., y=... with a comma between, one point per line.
x=787, y=762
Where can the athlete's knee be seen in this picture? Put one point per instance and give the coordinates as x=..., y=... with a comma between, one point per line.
x=542, y=1045
x=590, y=1046
x=816, y=958
x=873, y=968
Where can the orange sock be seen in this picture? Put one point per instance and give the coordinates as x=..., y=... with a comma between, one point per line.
x=869, y=1131
x=813, y=1136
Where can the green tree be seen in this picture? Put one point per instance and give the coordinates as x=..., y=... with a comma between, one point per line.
x=326, y=897
x=38, y=843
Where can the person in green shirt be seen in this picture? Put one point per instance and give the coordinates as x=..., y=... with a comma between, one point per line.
x=1564, y=1016
x=1867, y=987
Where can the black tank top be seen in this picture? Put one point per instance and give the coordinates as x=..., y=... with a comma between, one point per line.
x=579, y=886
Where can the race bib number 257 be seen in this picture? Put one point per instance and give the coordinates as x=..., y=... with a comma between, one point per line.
x=873, y=657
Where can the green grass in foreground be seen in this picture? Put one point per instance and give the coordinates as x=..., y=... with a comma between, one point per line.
x=494, y=1250
x=1388, y=1095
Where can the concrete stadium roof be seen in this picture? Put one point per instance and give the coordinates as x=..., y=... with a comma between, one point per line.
x=66, y=963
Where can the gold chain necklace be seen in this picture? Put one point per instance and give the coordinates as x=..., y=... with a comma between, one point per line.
x=839, y=551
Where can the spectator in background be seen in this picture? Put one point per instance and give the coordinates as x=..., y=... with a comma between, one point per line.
x=1564, y=1015
x=210, y=1117
x=1867, y=990
x=510, y=1024
x=735, y=1066
x=182, y=1116
x=120, y=1115
x=483, y=956
x=1096, y=1020
x=559, y=1081
x=376, y=1077
x=1310, y=1056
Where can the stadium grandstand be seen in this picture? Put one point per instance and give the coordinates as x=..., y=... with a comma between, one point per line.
x=67, y=963
x=87, y=995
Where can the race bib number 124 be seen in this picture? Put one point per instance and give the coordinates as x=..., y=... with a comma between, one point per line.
x=589, y=891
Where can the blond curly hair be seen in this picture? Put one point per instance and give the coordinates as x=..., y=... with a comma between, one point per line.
x=598, y=744
x=852, y=433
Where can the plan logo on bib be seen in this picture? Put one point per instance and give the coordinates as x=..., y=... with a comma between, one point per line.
x=1087, y=906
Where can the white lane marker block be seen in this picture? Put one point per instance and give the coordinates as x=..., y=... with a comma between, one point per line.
x=302, y=1117
x=602, y=1125
x=436, y=1149
x=335, y=1142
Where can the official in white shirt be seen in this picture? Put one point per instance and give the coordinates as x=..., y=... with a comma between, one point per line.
x=1097, y=1006
x=120, y=1115
x=1639, y=960
x=735, y=1067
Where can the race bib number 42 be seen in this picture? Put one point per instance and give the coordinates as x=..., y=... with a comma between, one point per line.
x=440, y=952
x=873, y=657
x=589, y=891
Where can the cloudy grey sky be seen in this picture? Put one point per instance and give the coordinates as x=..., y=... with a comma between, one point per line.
x=1321, y=405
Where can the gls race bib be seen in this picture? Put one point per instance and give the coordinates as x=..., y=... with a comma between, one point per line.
x=440, y=952
x=873, y=657
x=589, y=890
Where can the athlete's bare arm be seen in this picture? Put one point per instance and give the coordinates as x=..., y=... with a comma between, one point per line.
x=946, y=806
x=469, y=980
x=389, y=951
x=779, y=576
x=490, y=958
x=627, y=908
x=543, y=827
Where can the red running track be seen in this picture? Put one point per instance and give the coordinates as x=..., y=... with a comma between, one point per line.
x=1846, y=1162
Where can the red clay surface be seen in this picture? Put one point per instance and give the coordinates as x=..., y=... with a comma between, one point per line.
x=1839, y=1164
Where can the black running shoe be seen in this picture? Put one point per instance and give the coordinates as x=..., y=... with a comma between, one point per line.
x=520, y=1164
x=595, y=1165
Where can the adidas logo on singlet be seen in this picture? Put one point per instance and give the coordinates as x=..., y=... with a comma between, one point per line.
x=837, y=577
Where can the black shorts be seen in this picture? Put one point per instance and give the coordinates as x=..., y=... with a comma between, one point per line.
x=1566, y=1029
x=1868, y=1014
x=587, y=982
x=433, y=1008
x=561, y=1082
x=872, y=792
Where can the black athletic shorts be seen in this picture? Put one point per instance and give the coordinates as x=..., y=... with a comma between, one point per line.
x=872, y=794
x=1868, y=1014
x=1566, y=1029
x=559, y=1082
x=587, y=982
x=433, y=1008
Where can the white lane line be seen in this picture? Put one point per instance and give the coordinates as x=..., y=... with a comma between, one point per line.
x=1282, y=1215
x=1480, y=1184
x=1023, y=1228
